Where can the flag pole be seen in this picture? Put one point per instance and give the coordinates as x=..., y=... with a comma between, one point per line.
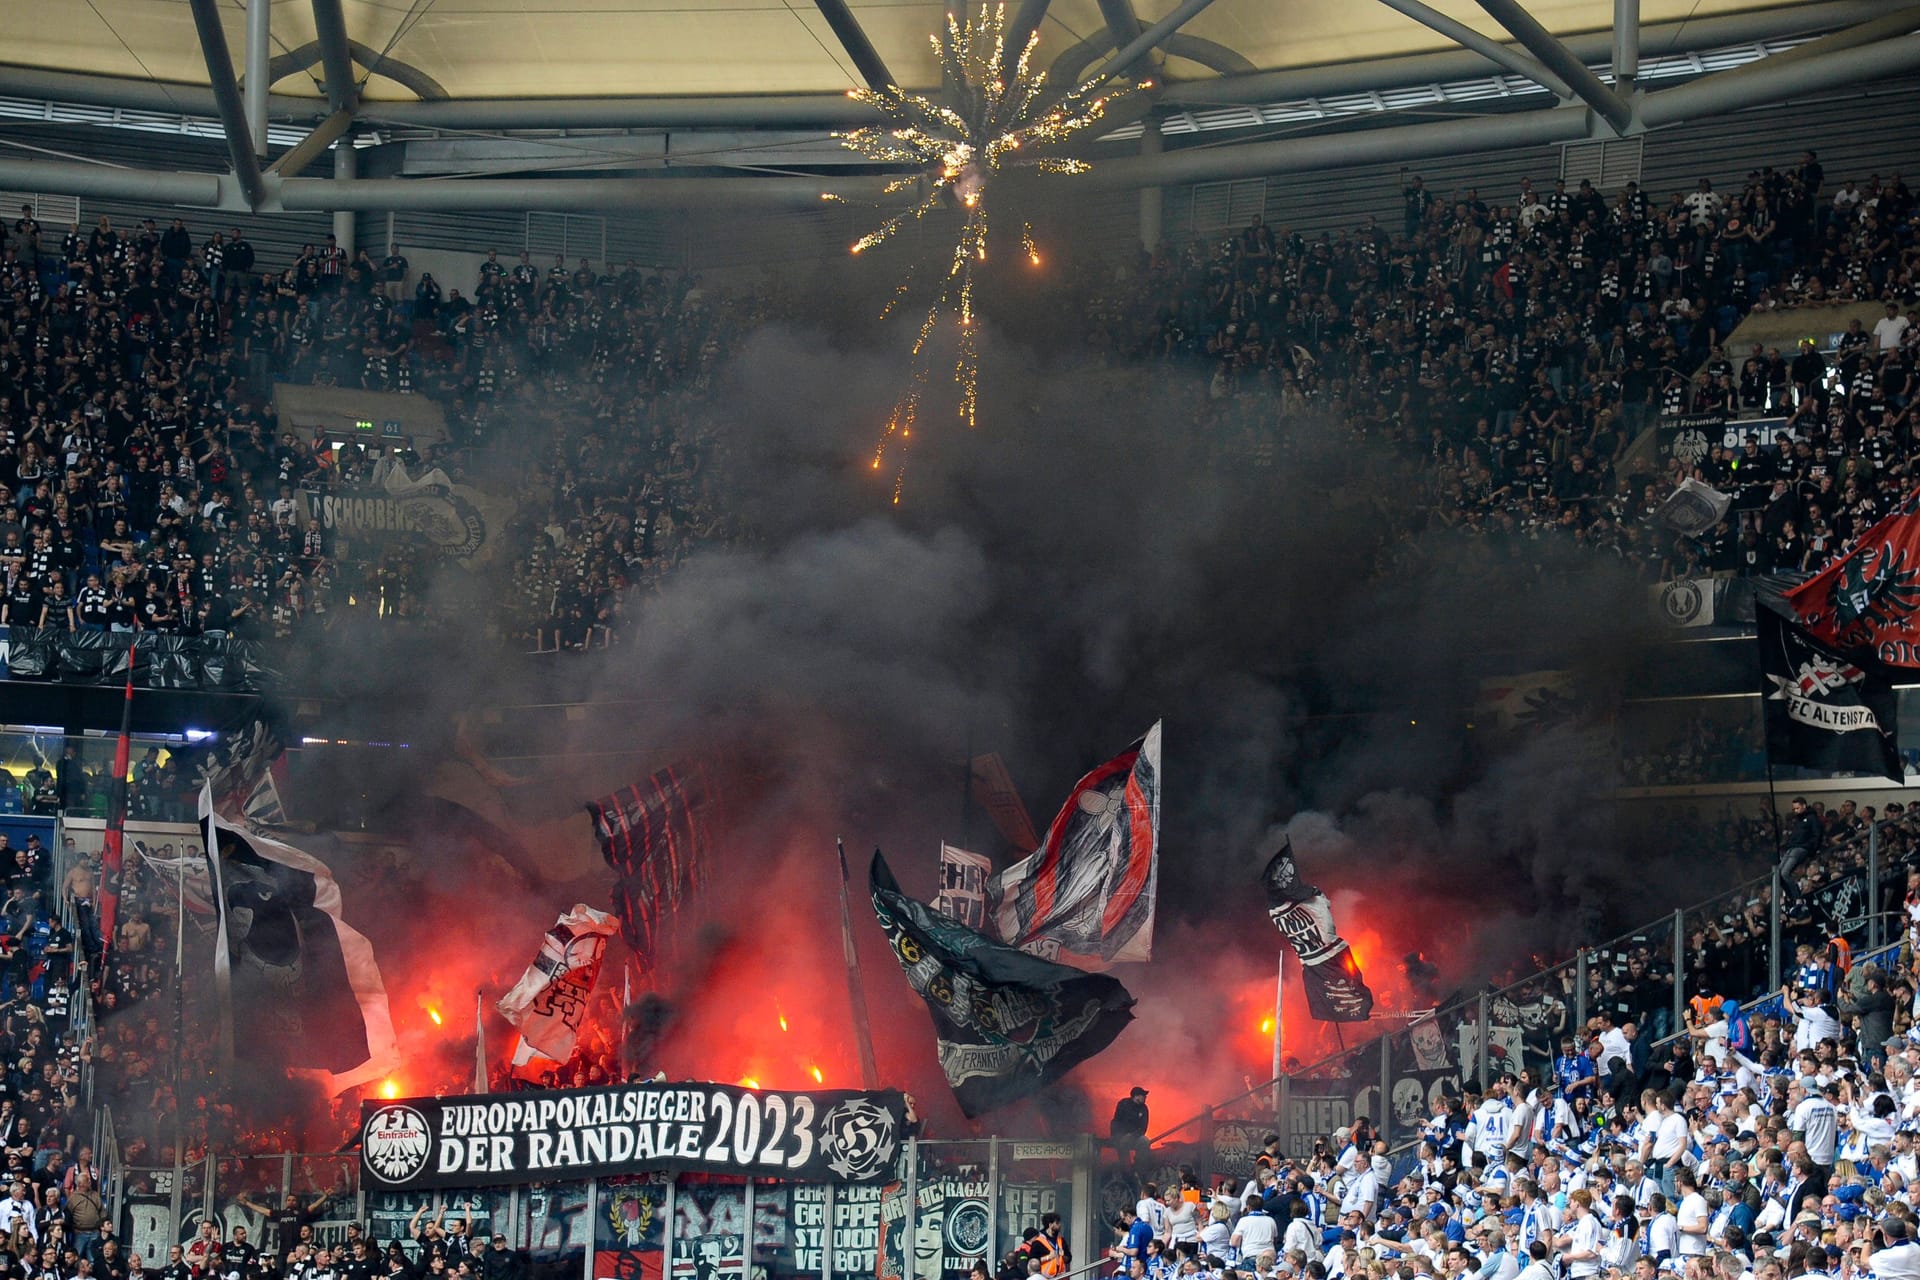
x=479, y=1042
x=1279, y=1019
x=113, y=844
x=856, y=992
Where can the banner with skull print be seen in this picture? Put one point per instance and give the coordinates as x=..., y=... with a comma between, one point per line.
x=549, y=1003
x=1006, y=1024
x=1336, y=991
x=1086, y=895
x=300, y=990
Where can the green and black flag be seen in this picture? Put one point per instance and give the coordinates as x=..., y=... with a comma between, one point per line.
x=1006, y=1023
x=1826, y=710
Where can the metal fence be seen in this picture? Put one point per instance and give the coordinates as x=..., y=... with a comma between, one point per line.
x=1736, y=945
x=946, y=1206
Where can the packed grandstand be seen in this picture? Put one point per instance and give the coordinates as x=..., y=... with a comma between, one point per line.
x=1509, y=352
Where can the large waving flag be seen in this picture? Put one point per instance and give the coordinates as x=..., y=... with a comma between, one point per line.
x=1336, y=991
x=658, y=835
x=1867, y=602
x=1086, y=895
x=300, y=990
x=1825, y=710
x=1006, y=1023
x=549, y=1003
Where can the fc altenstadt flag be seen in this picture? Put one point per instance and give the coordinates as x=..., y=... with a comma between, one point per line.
x=1006, y=1023
x=1825, y=711
x=299, y=987
x=1086, y=895
x=549, y=1003
x=1336, y=991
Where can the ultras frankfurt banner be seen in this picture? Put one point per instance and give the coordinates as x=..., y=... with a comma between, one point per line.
x=828, y=1135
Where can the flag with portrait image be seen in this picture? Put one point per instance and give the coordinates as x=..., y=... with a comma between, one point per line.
x=1086, y=895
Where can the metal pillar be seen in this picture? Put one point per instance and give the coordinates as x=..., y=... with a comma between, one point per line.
x=1580, y=979
x=344, y=161
x=1679, y=972
x=1386, y=1090
x=226, y=95
x=826, y=1234
x=994, y=1200
x=746, y=1237
x=1485, y=1022
x=259, y=55
x=593, y=1211
x=666, y=1232
x=1280, y=964
x=909, y=1252
x=1626, y=44
x=1540, y=42
x=1492, y=50
x=1873, y=886
x=1773, y=933
x=1085, y=1158
x=336, y=57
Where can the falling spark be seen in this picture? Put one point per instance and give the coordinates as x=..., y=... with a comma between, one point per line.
x=1266, y=1026
x=819, y=1077
x=435, y=1015
x=783, y=1021
x=749, y=1082
x=955, y=152
x=389, y=1088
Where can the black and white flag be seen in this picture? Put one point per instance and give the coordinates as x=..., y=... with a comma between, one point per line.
x=1336, y=990
x=1825, y=710
x=299, y=988
x=1006, y=1023
x=1693, y=508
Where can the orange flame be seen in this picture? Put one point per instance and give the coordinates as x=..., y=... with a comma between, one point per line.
x=749, y=1082
x=783, y=1017
x=1266, y=1026
x=435, y=1015
x=818, y=1076
x=389, y=1088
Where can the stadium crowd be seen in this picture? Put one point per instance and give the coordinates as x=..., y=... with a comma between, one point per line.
x=1508, y=349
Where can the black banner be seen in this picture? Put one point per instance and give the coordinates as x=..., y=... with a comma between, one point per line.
x=210, y=663
x=1006, y=1024
x=1691, y=436
x=657, y=835
x=1825, y=710
x=493, y=1139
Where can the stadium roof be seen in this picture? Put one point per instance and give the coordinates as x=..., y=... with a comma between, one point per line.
x=472, y=104
x=590, y=48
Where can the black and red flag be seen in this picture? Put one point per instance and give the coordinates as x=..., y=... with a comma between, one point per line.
x=1336, y=991
x=113, y=842
x=1868, y=601
x=658, y=835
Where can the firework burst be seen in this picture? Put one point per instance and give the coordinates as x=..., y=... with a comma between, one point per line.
x=1001, y=118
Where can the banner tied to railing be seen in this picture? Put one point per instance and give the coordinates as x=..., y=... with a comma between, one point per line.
x=830, y=1135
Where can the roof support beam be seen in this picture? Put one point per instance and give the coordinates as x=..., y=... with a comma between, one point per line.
x=336, y=59
x=226, y=96
x=259, y=58
x=1067, y=68
x=1120, y=19
x=1626, y=44
x=1540, y=42
x=1492, y=50
x=109, y=182
x=1726, y=92
x=847, y=30
x=563, y=194
x=1462, y=64
x=1898, y=23
x=1026, y=20
x=313, y=146
x=1147, y=41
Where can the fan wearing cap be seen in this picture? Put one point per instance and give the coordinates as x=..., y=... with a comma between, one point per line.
x=1128, y=1130
x=1898, y=1257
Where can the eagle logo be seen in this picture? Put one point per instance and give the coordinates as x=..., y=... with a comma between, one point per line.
x=1890, y=594
x=394, y=1143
